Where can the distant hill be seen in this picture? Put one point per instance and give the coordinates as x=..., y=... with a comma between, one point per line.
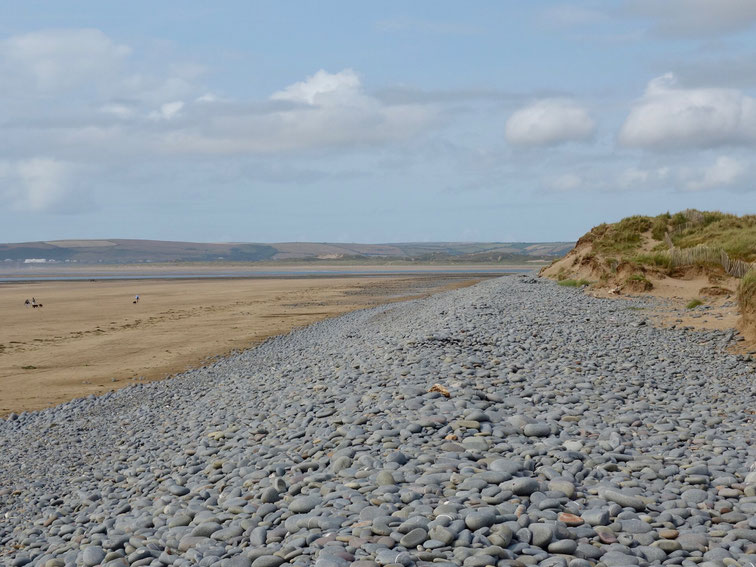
x=118, y=251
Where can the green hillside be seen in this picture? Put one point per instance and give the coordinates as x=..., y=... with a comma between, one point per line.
x=118, y=251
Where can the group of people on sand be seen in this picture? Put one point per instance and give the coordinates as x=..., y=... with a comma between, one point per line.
x=34, y=303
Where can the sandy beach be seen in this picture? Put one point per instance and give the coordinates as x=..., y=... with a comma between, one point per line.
x=89, y=337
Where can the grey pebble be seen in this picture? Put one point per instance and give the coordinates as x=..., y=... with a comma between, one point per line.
x=268, y=561
x=93, y=555
x=414, y=538
x=537, y=429
x=304, y=504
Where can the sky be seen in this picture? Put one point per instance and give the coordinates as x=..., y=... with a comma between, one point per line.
x=391, y=121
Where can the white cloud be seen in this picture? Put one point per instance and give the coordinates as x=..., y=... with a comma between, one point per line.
x=324, y=88
x=658, y=174
x=639, y=178
x=98, y=71
x=724, y=172
x=156, y=90
x=632, y=177
x=36, y=184
x=715, y=172
x=168, y=110
x=325, y=110
x=695, y=18
x=208, y=97
x=668, y=116
x=61, y=59
x=118, y=109
x=549, y=121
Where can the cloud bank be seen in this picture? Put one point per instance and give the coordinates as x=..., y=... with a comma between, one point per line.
x=724, y=172
x=115, y=110
x=55, y=60
x=695, y=18
x=549, y=122
x=37, y=185
x=76, y=105
x=670, y=117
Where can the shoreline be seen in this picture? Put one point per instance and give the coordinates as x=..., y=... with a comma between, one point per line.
x=225, y=277
x=238, y=271
x=89, y=338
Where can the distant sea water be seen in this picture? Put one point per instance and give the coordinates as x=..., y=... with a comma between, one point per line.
x=19, y=277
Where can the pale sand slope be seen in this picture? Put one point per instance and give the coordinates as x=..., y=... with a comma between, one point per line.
x=718, y=311
x=90, y=338
x=717, y=291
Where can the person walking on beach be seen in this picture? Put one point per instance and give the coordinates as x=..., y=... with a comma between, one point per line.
x=27, y=303
x=136, y=299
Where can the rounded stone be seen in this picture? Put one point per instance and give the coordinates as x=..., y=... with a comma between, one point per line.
x=695, y=495
x=442, y=534
x=93, y=555
x=304, y=504
x=541, y=534
x=522, y=486
x=270, y=495
x=414, y=538
x=596, y=516
x=566, y=546
x=268, y=561
x=625, y=500
x=537, y=429
x=570, y=520
x=384, y=478
x=477, y=520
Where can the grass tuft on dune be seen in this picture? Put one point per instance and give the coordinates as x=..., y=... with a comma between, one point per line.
x=747, y=292
x=687, y=229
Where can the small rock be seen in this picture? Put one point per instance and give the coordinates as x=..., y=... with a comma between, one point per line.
x=414, y=538
x=596, y=516
x=537, y=429
x=570, y=519
x=304, y=504
x=93, y=555
x=268, y=561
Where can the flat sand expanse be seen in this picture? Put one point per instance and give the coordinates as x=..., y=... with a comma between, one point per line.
x=89, y=337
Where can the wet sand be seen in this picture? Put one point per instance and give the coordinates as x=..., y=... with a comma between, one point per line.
x=89, y=337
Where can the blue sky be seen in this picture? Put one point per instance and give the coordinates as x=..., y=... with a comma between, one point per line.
x=371, y=122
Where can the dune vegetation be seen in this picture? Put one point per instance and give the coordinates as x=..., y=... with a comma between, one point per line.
x=733, y=234
x=629, y=250
x=712, y=253
x=747, y=300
